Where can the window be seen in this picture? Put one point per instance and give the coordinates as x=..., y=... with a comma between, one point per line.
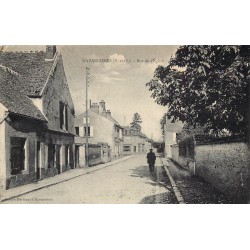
x=17, y=156
x=85, y=120
x=85, y=131
x=77, y=130
x=89, y=130
x=126, y=148
x=63, y=109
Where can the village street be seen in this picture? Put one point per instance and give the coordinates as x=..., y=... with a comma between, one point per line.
x=126, y=182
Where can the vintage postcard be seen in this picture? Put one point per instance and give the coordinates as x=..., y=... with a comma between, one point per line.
x=123, y=124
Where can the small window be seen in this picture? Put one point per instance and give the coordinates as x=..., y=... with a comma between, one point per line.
x=77, y=130
x=85, y=131
x=85, y=120
x=90, y=131
x=126, y=148
x=63, y=109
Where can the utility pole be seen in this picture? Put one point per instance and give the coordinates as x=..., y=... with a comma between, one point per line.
x=87, y=117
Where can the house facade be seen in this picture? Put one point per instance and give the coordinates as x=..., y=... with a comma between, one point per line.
x=135, y=141
x=102, y=129
x=170, y=132
x=36, y=117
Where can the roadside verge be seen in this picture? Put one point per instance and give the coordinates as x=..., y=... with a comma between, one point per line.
x=177, y=192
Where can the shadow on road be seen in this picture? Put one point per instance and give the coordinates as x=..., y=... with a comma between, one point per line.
x=162, y=181
x=143, y=172
x=163, y=198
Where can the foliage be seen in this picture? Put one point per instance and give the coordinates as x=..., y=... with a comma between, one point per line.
x=159, y=146
x=136, y=122
x=206, y=86
x=162, y=122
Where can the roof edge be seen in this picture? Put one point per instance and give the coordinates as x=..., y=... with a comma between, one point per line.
x=52, y=69
x=30, y=117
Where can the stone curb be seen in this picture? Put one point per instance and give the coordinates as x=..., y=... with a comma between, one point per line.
x=92, y=169
x=177, y=192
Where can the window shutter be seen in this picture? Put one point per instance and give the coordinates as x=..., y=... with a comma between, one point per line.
x=91, y=131
x=66, y=117
x=85, y=120
x=81, y=131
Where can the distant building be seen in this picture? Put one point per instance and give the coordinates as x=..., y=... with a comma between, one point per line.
x=135, y=141
x=36, y=117
x=102, y=129
x=170, y=131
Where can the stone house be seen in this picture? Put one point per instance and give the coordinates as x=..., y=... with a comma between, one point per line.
x=135, y=141
x=103, y=129
x=36, y=117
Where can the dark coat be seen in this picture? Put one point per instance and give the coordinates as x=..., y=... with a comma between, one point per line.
x=151, y=157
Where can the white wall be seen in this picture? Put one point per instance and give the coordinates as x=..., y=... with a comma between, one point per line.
x=2, y=148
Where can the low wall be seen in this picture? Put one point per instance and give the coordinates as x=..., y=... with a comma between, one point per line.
x=225, y=166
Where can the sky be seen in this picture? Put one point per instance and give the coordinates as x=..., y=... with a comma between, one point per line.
x=119, y=79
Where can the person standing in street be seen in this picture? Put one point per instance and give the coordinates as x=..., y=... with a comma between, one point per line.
x=151, y=160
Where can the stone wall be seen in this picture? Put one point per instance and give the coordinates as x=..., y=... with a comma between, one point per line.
x=55, y=91
x=186, y=162
x=225, y=166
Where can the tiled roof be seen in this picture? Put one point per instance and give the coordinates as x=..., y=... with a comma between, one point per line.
x=13, y=97
x=79, y=118
x=113, y=120
x=32, y=68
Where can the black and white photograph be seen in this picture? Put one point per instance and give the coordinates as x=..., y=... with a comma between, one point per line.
x=125, y=124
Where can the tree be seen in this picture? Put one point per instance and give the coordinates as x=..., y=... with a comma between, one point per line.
x=206, y=86
x=163, y=122
x=136, y=121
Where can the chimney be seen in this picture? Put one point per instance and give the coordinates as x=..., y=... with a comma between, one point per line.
x=108, y=113
x=50, y=52
x=104, y=113
x=102, y=105
x=94, y=107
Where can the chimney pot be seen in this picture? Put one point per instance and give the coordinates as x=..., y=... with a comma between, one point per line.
x=95, y=107
x=108, y=113
x=50, y=51
x=102, y=105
